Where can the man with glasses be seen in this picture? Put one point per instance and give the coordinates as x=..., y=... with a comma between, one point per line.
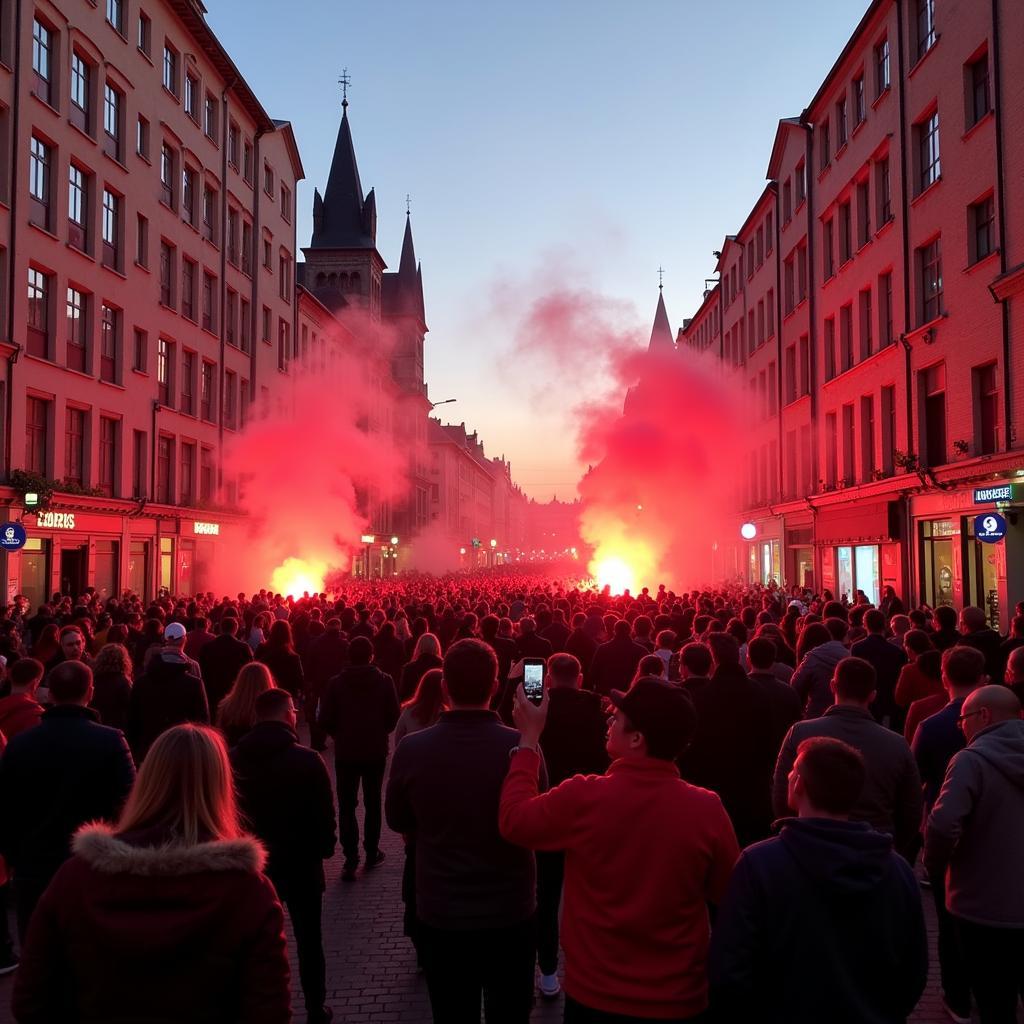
x=975, y=838
x=937, y=740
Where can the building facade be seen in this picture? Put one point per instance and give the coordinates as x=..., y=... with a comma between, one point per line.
x=897, y=274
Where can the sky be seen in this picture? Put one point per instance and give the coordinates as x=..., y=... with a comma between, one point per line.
x=546, y=145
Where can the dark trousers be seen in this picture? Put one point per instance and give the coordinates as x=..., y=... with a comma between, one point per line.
x=995, y=964
x=956, y=984
x=410, y=922
x=550, y=874
x=350, y=775
x=305, y=908
x=6, y=945
x=496, y=963
x=311, y=708
x=577, y=1013
x=27, y=892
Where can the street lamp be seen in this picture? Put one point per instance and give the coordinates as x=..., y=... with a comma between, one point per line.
x=446, y=401
x=494, y=544
x=748, y=531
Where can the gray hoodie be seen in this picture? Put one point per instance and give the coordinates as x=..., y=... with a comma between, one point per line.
x=976, y=828
x=813, y=677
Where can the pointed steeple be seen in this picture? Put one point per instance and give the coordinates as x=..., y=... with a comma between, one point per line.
x=406, y=291
x=346, y=219
x=661, y=332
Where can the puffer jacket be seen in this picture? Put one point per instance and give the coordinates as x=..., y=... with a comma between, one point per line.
x=813, y=677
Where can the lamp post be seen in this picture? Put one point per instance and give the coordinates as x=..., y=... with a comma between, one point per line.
x=368, y=540
x=494, y=544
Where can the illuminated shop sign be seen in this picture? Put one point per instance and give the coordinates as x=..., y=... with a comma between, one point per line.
x=210, y=529
x=1004, y=492
x=56, y=520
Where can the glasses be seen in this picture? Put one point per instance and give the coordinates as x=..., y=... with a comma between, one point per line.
x=963, y=718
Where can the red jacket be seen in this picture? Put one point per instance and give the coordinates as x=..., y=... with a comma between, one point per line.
x=19, y=712
x=164, y=934
x=645, y=853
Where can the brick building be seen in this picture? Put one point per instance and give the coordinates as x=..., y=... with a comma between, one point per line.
x=896, y=268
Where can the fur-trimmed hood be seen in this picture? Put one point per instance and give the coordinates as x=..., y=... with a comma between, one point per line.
x=97, y=845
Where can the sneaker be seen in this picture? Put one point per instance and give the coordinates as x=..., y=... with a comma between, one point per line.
x=953, y=1015
x=8, y=964
x=374, y=861
x=550, y=987
x=348, y=870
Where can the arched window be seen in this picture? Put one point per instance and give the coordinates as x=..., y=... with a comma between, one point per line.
x=354, y=283
x=343, y=282
x=332, y=281
x=321, y=279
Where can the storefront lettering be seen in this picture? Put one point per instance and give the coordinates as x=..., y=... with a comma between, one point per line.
x=1002, y=493
x=56, y=520
x=213, y=529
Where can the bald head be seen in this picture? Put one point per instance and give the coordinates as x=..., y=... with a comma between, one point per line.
x=1015, y=666
x=988, y=705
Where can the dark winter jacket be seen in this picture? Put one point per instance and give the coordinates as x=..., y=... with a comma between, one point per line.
x=821, y=923
x=935, y=742
x=168, y=694
x=285, y=666
x=66, y=771
x=359, y=710
x=161, y=933
x=989, y=642
x=573, y=740
x=285, y=795
x=888, y=661
x=614, y=665
x=111, y=698
x=812, y=679
x=414, y=672
x=326, y=655
x=221, y=660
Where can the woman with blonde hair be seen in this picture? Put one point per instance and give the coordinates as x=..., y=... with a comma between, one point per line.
x=425, y=656
x=112, y=685
x=145, y=919
x=236, y=713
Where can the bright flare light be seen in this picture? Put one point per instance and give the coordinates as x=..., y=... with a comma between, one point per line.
x=615, y=573
x=296, y=576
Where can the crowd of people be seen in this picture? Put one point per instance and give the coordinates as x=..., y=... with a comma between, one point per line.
x=727, y=804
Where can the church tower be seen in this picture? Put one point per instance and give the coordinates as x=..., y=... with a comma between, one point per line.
x=343, y=267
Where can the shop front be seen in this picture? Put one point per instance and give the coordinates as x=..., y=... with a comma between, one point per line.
x=860, y=550
x=764, y=551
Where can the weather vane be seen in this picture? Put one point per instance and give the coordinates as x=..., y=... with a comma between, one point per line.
x=408, y=203
x=345, y=81
x=661, y=274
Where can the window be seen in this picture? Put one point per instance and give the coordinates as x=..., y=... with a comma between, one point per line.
x=231, y=317
x=206, y=391
x=981, y=219
x=192, y=96
x=804, y=366
x=142, y=137
x=986, y=409
x=750, y=260
x=867, y=340
x=787, y=201
x=37, y=434
x=773, y=406
x=888, y=429
x=863, y=213
x=247, y=158
x=246, y=248
x=929, y=168
x=849, y=445
x=142, y=241
x=825, y=144
x=210, y=116
x=209, y=213
x=770, y=309
x=110, y=324
x=929, y=269
x=932, y=393
x=284, y=273
x=244, y=332
x=867, y=438
x=189, y=184
x=164, y=359
x=760, y=245
x=139, y=448
x=115, y=14
x=882, y=79
x=831, y=451
x=788, y=284
x=232, y=239
x=830, y=348
x=209, y=302
x=74, y=445
x=140, y=350
x=283, y=344
x=979, y=94
x=170, y=72
x=800, y=181
x=885, y=332
x=189, y=271
x=266, y=324
x=188, y=374
x=38, y=323
x=760, y=323
x=230, y=399
x=845, y=338
x=268, y=248
x=188, y=473
x=845, y=233
x=78, y=207
x=39, y=166
x=77, y=321
x=828, y=247
x=109, y=430
x=801, y=273
x=860, y=111
x=165, y=469
x=925, y=26
x=206, y=475
x=42, y=60
x=769, y=233
x=268, y=179
x=111, y=230
x=842, y=125
x=80, y=87
x=243, y=403
x=883, y=191
x=167, y=258
x=234, y=144
x=145, y=34
x=167, y=175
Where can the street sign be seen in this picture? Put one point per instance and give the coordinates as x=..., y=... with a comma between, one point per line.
x=12, y=536
x=476, y=542
x=989, y=527
x=1003, y=492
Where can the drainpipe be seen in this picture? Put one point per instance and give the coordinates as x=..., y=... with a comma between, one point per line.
x=812, y=329
x=778, y=334
x=255, y=313
x=152, y=455
x=905, y=218
x=11, y=246
x=222, y=326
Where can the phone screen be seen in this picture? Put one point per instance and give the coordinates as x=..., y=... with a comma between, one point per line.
x=533, y=681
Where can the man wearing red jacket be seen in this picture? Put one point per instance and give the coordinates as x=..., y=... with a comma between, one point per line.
x=645, y=853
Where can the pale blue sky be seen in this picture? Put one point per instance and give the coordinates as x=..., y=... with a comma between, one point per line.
x=572, y=142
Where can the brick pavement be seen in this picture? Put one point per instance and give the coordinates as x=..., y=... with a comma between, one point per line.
x=371, y=973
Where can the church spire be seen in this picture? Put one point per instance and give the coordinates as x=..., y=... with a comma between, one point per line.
x=408, y=293
x=661, y=332
x=344, y=219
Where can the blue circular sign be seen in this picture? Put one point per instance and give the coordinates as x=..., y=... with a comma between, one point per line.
x=12, y=536
x=989, y=527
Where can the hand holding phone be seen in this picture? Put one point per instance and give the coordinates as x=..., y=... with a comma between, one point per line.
x=533, y=679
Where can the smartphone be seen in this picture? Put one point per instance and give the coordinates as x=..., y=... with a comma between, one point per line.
x=533, y=679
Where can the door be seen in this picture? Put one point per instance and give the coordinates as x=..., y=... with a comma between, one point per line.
x=74, y=563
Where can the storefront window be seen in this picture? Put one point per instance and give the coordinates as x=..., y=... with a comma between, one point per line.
x=981, y=583
x=866, y=571
x=937, y=539
x=35, y=570
x=138, y=568
x=844, y=573
x=186, y=565
x=166, y=563
x=105, y=562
